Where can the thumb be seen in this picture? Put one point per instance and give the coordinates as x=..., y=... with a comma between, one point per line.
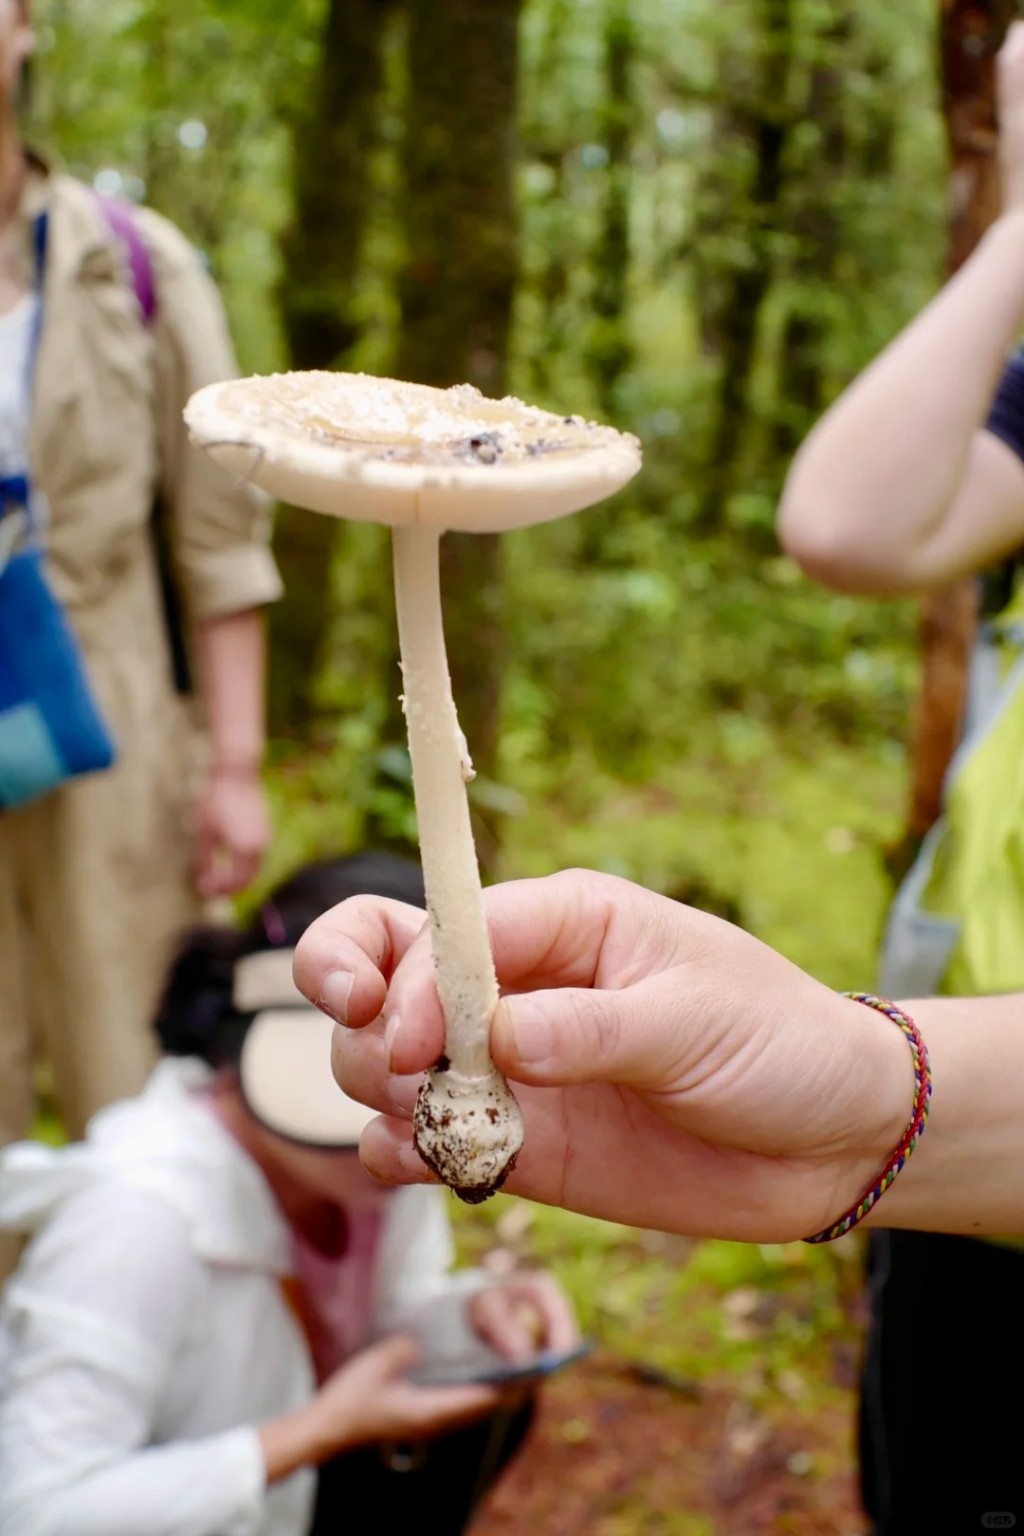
x=394, y=1355
x=582, y=1035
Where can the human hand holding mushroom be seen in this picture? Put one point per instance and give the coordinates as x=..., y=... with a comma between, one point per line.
x=676, y=1073
x=424, y=461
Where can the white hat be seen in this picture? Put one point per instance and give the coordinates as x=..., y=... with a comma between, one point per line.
x=285, y=1066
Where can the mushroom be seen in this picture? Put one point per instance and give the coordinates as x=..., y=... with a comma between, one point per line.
x=422, y=461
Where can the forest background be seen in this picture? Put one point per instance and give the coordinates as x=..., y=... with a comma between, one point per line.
x=696, y=220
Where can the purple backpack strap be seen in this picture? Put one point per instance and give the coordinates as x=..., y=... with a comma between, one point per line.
x=121, y=222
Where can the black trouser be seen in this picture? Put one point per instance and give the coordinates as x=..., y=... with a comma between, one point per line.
x=433, y=1487
x=941, y=1415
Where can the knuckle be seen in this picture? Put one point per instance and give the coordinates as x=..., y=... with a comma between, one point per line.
x=596, y=1014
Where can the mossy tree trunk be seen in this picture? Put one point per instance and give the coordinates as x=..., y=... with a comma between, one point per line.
x=334, y=136
x=456, y=292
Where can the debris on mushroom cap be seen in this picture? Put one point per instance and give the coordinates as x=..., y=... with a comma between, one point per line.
x=391, y=420
x=383, y=451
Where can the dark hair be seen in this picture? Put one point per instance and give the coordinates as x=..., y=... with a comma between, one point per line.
x=196, y=1016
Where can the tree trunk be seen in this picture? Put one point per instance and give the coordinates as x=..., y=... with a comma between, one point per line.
x=764, y=120
x=456, y=290
x=610, y=349
x=816, y=227
x=548, y=141
x=972, y=32
x=332, y=143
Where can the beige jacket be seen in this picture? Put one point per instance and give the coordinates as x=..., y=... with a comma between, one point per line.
x=107, y=431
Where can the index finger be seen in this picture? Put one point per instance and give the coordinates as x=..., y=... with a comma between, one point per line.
x=345, y=960
x=578, y=928
x=541, y=931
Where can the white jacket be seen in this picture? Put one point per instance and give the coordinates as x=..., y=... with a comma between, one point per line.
x=145, y=1335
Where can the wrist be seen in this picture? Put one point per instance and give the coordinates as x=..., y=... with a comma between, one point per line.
x=901, y=1199
x=884, y=1102
x=891, y=1081
x=963, y=1178
x=237, y=770
x=329, y=1431
x=305, y=1438
x=888, y=1086
x=293, y=1441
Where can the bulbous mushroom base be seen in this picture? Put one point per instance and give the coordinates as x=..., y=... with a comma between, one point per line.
x=468, y=1130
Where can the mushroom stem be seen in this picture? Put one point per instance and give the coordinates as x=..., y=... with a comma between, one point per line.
x=467, y=1123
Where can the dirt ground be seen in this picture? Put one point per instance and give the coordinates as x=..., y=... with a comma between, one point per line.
x=613, y=1455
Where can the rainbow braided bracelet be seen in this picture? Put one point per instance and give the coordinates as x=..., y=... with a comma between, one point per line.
x=915, y=1126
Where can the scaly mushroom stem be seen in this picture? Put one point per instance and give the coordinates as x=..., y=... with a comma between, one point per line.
x=467, y=1123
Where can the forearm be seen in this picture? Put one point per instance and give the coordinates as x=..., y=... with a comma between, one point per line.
x=295, y=1440
x=876, y=477
x=967, y=1174
x=231, y=664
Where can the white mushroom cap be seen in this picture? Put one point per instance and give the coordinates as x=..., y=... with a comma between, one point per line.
x=376, y=450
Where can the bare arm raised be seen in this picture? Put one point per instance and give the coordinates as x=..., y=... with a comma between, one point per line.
x=900, y=488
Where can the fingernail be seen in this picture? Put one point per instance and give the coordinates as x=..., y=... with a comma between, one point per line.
x=335, y=993
x=530, y=1028
x=391, y=1028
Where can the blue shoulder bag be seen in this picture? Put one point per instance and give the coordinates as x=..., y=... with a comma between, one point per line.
x=50, y=726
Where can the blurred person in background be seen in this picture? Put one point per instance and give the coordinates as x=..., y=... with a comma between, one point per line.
x=108, y=322
x=913, y=479
x=219, y=1299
